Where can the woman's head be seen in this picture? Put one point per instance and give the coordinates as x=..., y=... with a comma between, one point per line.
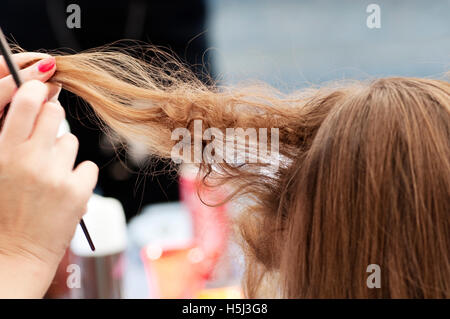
x=364, y=176
x=373, y=188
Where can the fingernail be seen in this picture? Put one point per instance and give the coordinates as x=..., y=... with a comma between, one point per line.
x=46, y=64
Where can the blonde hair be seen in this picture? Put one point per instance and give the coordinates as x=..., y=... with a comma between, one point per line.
x=364, y=178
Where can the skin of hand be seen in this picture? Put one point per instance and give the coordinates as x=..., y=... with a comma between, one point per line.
x=42, y=195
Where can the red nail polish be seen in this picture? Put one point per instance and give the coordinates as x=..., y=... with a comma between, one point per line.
x=46, y=64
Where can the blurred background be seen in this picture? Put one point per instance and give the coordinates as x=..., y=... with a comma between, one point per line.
x=154, y=237
x=295, y=43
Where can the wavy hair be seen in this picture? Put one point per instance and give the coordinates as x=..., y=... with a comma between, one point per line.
x=364, y=176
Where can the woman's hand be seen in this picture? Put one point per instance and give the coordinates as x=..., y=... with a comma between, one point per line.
x=42, y=198
x=42, y=70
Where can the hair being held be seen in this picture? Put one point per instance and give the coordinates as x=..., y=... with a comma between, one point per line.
x=364, y=176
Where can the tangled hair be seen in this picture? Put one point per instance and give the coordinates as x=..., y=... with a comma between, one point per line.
x=364, y=176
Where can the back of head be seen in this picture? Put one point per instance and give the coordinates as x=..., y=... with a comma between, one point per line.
x=372, y=188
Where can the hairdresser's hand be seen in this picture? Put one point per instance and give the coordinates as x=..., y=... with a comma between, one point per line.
x=42, y=197
x=41, y=70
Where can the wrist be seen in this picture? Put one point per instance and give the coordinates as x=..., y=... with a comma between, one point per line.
x=23, y=276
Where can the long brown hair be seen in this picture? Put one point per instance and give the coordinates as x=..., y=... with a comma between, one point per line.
x=364, y=176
